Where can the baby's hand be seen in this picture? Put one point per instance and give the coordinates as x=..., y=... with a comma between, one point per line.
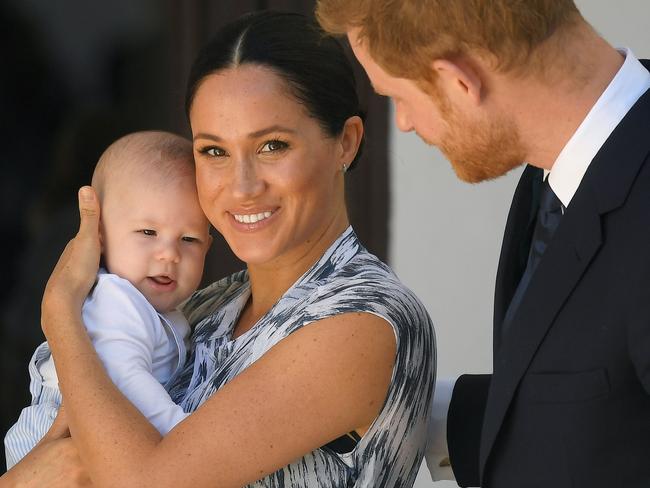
x=75, y=272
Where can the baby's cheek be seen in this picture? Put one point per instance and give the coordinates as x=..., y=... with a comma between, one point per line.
x=196, y=271
x=127, y=263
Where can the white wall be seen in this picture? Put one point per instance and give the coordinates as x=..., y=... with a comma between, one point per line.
x=445, y=235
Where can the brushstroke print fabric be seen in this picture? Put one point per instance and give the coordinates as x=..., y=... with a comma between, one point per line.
x=346, y=279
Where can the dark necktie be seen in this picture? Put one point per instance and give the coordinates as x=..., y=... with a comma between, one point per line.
x=548, y=218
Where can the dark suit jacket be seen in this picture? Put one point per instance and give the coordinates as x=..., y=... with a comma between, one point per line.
x=568, y=403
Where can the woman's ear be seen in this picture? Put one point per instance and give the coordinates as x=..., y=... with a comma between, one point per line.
x=459, y=80
x=350, y=140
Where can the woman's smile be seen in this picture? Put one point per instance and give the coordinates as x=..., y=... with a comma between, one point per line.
x=247, y=221
x=252, y=217
x=269, y=177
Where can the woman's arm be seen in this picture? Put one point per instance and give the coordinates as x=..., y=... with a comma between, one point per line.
x=329, y=378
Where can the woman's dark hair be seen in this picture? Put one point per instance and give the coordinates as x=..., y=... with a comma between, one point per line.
x=313, y=64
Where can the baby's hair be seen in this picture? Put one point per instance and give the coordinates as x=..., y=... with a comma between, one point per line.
x=158, y=155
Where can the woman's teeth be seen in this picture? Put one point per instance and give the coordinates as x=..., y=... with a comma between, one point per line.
x=252, y=218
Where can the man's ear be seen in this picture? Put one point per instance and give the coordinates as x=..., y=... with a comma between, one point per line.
x=459, y=80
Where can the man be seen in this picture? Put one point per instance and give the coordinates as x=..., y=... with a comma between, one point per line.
x=494, y=84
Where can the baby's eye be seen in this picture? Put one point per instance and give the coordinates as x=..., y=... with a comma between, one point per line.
x=273, y=146
x=190, y=239
x=148, y=232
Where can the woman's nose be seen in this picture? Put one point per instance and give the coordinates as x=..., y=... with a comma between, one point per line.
x=246, y=182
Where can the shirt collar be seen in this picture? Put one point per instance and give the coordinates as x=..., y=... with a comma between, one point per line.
x=631, y=81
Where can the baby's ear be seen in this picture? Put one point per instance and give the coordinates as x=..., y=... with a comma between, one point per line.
x=101, y=235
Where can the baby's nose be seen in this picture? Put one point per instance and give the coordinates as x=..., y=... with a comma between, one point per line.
x=169, y=251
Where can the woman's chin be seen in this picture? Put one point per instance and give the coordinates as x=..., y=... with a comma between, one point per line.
x=253, y=255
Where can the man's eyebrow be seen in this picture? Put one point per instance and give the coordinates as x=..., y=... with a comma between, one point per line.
x=252, y=135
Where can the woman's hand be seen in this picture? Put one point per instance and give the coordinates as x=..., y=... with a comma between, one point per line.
x=75, y=272
x=54, y=462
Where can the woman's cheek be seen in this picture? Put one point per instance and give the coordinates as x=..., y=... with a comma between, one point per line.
x=209, y=190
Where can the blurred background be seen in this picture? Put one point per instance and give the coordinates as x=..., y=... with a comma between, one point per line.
x=77, y=74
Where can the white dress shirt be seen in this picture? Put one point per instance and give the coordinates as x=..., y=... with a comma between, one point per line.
x=630, y=82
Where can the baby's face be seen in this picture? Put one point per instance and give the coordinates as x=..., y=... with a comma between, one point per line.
x=155, y=235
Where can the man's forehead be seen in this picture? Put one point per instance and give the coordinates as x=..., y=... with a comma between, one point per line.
x=360, y=50
x=375, y=72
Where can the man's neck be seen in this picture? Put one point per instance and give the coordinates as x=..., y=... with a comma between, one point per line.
x=548, y=111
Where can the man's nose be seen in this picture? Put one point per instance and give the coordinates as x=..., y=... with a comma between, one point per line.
x=402, y=120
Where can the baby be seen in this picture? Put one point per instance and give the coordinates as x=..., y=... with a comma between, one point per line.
x=154, y=239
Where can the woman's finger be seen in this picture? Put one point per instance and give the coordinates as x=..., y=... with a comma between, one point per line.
x=88, y=213
x=87, y=249
x=74, y=273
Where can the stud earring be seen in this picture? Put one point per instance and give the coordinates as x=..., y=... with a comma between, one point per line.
x=344, y=168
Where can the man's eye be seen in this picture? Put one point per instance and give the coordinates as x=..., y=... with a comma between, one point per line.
x=189, y=239
x=148, y=232
x=274, y=145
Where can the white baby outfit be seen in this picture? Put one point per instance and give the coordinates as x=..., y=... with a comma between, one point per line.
x=141, y=350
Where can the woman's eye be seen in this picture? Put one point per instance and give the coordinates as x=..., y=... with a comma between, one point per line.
x=148, y=232
x=273, y=146
x=213, y=151
x=189, y=239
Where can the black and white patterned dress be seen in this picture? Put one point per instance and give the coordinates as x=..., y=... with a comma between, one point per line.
x=346, y=279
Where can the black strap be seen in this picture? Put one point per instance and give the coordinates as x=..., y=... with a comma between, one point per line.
x=344, y=444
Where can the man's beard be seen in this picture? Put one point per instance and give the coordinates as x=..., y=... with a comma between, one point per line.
x=479, y=150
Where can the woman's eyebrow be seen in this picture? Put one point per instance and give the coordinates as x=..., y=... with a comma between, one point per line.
x=252, y=135
x=273, y=128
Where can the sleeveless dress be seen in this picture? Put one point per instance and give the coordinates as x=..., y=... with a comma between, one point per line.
x=346, y=279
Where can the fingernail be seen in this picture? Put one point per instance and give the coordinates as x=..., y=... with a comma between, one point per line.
x=86, y=194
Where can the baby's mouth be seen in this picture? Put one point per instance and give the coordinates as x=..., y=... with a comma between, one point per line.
x=162, y=283
x=161, y=280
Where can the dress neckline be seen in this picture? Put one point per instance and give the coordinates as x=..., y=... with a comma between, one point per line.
x=340, y=252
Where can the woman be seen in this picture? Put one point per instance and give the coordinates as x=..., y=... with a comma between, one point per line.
x=314, y=367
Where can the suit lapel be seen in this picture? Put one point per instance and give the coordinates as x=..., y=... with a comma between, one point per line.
x=576, y=241
x=578, y=238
